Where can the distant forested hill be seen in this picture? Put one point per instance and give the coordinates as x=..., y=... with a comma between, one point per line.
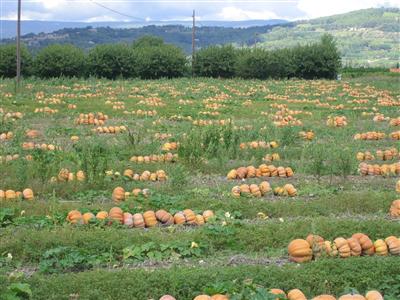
x=368, y=37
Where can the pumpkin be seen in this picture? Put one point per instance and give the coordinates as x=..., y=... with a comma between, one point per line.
x=255, y=190
x=366, y=244
x=118, y=194
x=289, y=172
x=395, y=209
x=219, y=297
x=281, y=172
x=373, y=295
x=202, y=297
x=179, y=218
x=290, y=190
x=190, y=216
x=128, y=173
x=316, y=243
x=87, y=217
x=27, y=194
x=278, y=292
x=355, y=247
x=138, y=221
x=398, y=186
x=296, y=294
x=299, y=250
x=231, y=174
x=150, y=218
x=199, y=220
x=128, y=219
x=164, y=217
x=207, y=215
x=235, y=191
x=393, y=244
x=80, y=176
x=251, y=172
x=10, y=194
x=381, y=248
x=342, y=246
x=75, y=217
x=244, y=189
x=324, y=297
x=351, y=297
x=264, y=187
x=116, y=214
x=241, y=172
x=102, y=215
x=167, y=297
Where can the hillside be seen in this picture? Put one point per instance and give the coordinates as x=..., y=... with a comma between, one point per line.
x=367, y=37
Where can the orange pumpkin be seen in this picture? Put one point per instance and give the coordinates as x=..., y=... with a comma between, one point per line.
x=75, y=217
x=102, y=215
x=179, y=218
x=10, y=194
x=324, y=297
x=150, y=218
x=342, y=246
x=118, y=194
x=296, y=294
x=167, y=297
x=208, y=214
x=87, y=217
x=199, y=220
x=116, y=214
x=278, y=292
x=164, y=217
x=202, y=297
x=381, y=248
x=28, y=194
x=219, y=297
x=393, y=244
x=355, y=247
x=190, y=216
x=373, y=295
x=395, y=208
x=300, y=250
x=366, y=244
x=138, y=221
x=352, y=297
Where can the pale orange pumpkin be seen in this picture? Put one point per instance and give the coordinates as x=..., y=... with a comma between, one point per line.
x=365, y=242
x=150, y=218
x=373, y=295
x=102, y=215
x=296, y=294
x=118, y=194
x=28, y=194
x=75, y=217
x=138, y=221
x=87, y=217
x=300, y=250
x=393, y=244
x=116, y=214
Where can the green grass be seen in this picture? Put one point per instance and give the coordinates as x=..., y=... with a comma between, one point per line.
x=57, y=259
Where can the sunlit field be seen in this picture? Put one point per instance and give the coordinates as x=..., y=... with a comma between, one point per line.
x=136, y=189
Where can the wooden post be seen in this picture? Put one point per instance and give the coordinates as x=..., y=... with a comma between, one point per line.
x=193, y=41
x=18, y=78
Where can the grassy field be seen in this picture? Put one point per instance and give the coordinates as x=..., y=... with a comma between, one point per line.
x=245, y=245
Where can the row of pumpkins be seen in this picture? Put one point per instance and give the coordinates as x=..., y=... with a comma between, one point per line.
x=139, y=112
x=294, y=294
x=301, y=250
x=6, y=136
x=387, y=154
x=258, y=144
x=262, y=189
x=97, y=119
x=147, y=219
x=154, y=158
x=46, y=110
x=263, y=170
x=384, y=170
x=44, y=146
x=307, y=135
x=337, y=121
x=119, y=193
x=374, y=135
x=11, y=157
x=110, y=129
x=146, y=175
x=26, y=194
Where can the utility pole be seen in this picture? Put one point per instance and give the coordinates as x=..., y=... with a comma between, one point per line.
x=193, y=40
x=18, y=45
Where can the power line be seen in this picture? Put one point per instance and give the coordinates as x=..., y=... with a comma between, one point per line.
x=116, y=12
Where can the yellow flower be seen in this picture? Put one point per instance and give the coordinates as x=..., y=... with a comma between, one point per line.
x=22, y=212
x=194, y=245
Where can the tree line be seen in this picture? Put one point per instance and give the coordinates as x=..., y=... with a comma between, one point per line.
x=151, y=58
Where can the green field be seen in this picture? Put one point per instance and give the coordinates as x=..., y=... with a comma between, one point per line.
x=244, y=247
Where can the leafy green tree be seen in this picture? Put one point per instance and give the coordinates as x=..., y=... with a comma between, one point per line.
x=8, y=61
x=160, y=61
x=112, y=61
x=148, y=41
x=215, y=61
x=60, y=60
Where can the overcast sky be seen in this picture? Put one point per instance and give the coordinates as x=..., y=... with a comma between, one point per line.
x=92, y=10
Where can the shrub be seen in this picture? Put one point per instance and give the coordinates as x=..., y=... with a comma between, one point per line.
x=112, y=61
x=215, y=61
x=8, y=61
x=160, y=61
x=147, y=41
x=59, y=60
